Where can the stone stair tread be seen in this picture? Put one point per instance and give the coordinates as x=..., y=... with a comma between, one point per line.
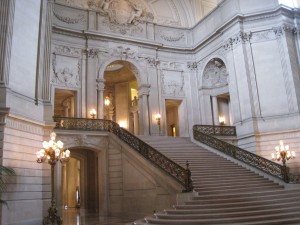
x=228, y=193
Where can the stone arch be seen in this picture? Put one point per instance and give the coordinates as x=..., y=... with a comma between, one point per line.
x=140, y=74
x=97, y=146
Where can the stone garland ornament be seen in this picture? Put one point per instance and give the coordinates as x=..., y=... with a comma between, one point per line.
x=62, y=16
x=171, y=36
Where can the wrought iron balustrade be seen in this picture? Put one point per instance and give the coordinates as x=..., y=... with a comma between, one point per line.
x=182, y=175
x=217, y=130
x=254, y=160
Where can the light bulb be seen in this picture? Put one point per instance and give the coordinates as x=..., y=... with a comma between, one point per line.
x=273, y=156
x=51, y=143
x=67, y=153
x=60, y=144
x=277, y=148
x=57, y=152
x=45, y=144
x=38, y=155
x=287, y=147
x=53, y=136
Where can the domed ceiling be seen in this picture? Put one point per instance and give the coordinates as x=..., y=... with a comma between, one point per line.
x=181, y=13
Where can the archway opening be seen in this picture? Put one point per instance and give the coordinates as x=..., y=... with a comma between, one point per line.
x=121, y=95
x=216, y=91
x=172, y=117
x=80, y=186
x=65, y=103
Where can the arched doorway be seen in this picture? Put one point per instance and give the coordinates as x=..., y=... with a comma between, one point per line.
x=65, y=103
x=80, y=176
x=216, y=92
x=121, y=102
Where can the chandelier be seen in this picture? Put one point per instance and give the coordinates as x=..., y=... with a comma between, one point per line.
x=52, y=152
x=283, y=153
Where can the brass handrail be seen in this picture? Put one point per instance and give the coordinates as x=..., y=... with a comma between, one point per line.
x=254, y=160
x=217, y=130
x=182, y=175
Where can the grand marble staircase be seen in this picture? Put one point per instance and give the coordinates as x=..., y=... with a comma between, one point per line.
x=227, y=192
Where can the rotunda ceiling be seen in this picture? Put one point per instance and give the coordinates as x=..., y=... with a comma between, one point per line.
x=181, y=13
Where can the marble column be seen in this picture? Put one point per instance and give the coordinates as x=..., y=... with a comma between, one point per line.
x=91, y=87
x=136, y=122
x=7, y=11
x=144, y=109
x=100, y=102
x=215, y=110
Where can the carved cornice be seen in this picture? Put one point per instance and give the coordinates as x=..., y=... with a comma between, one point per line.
x=192, y=66
x=283, y=30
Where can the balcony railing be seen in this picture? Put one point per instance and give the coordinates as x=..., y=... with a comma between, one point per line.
x=217, y=130
x=254, y=160
x=182, y=175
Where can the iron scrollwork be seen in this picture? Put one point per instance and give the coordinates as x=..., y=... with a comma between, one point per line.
x=182, y=175
x=258, y=162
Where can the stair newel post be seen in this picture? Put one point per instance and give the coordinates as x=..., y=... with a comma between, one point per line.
x=188, y=179
x=285, y=173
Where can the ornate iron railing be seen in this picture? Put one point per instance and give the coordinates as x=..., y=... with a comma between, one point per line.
x=258, y=162
x=182, y=175
x=217, y=130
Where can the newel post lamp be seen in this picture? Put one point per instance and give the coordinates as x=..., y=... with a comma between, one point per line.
x=52, y=152
x=283, y=153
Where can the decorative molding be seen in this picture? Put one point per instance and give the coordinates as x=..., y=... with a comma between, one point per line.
x=92, y=53
x=124, y=29
x=175, y=66
x=192, y=66
x=84, y=140
x=66, y=70
x=236, y=39
x=171, y=35
x=67, y=51
x=24, y=126
x=172, y=85
x=126, y=11
x=283, y=30
x=262, y=36
x=74, y=19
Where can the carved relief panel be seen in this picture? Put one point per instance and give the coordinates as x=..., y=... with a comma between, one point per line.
x=172, y=83
x=215, y=74
x=66, y=67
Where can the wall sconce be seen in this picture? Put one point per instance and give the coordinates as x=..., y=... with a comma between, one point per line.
x=93, y=113
x=222, y=120
x=283, y=153
x=106, y=101
x=157, y=117
x=122, y=124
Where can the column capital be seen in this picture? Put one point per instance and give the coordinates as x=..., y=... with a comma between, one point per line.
x=144, y=89
x=100, y=84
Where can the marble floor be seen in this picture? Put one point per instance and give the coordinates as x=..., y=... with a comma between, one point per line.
x=79, y=217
